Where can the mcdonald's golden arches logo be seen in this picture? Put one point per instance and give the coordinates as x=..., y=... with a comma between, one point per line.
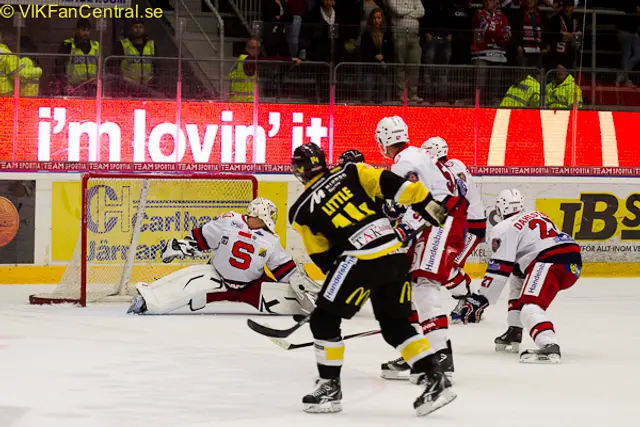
x=361, y=298
x=405, y=295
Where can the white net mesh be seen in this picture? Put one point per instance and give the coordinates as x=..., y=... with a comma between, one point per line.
x=142, y=212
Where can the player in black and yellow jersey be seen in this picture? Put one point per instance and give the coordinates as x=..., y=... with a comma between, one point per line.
x=340, y=219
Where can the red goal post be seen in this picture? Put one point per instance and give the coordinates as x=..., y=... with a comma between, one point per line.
x=141, y=211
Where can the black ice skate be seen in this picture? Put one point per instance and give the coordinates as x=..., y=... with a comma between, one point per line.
x=510, y=340
x=550, y=353
x=437, y=393
x=445, y=360
x=327, y=397
x=395, y=370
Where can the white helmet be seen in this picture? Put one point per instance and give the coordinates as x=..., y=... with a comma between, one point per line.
x=509, y=202
x=265, y=210
x=391, y=131
x=436, y=146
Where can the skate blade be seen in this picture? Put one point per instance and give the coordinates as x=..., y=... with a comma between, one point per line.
x=323, y=408
x=395, y=375
x=449, y=376
x=415, y=378
x=540, y=359
x=447, y=396
x=508, y=348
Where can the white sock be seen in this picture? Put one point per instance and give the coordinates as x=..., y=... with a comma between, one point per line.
x=540, y=328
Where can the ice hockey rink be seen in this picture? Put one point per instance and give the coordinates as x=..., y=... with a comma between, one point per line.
x=95, y=367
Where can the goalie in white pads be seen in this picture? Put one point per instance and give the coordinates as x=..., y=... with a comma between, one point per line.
x=459, y=282
x=540, y=261
x=242, y=245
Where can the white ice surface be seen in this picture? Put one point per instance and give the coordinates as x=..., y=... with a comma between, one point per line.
x=95, y=367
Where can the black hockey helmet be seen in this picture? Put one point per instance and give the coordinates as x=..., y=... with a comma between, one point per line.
x=308, y=161
x=351, y=156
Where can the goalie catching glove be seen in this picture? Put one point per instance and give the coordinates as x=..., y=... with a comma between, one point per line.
x=180, y=249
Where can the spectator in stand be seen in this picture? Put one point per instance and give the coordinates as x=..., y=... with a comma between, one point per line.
x=460, y=24
x=8, y=67
x=297, y=9
x=491, y=34
x=563, y=91
x=243, y=74
x=275, y=13
x=349, y=13
x=527, y=34
x=136, y=69
x=565, y=37
x=405, y=19
x=316, y=36
x=524, y=94
x=78, y=73
x=437, y=25
x=377, y=47
x=30, y=71
x=368, y=6
x=628, y=26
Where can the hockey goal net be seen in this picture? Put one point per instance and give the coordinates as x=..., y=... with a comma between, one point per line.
x=125, y=221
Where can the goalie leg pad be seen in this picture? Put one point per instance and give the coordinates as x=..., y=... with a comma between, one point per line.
x=305, y=288
x=279, y=298
x=179, y=289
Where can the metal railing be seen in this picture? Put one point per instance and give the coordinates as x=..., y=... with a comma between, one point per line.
x=303, y=82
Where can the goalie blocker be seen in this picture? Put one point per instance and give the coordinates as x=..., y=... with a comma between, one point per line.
x=242, y=246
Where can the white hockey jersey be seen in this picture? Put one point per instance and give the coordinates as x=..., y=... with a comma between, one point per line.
x=417, y=164
x=476, y=216
x=519, y=242
x=240, y=253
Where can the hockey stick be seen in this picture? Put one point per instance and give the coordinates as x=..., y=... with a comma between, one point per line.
x=276, y=333
x=286, y=345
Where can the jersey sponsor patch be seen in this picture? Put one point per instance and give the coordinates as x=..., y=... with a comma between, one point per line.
x=533, y=285
x=224, y=240
x=495, y=244
x=262, y=252
x=370, y=232
x=338, y=278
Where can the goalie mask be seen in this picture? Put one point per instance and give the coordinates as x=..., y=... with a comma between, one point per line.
x=436, y=146
x=509, y=202
x=265, y=210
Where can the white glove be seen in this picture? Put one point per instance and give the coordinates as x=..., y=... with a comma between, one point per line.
x=179, y=249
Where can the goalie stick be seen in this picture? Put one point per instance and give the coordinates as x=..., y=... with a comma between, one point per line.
x=276, y=333
x=286, y=345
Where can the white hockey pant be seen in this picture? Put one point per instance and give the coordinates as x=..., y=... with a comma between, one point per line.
x=434, y=322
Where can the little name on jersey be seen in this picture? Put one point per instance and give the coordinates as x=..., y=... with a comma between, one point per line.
x=337, y=200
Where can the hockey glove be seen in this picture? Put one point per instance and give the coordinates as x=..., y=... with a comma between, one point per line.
x=473, y=308
x=179, y=249
x=393, y=211
x=406, y=234
x=432, y=211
